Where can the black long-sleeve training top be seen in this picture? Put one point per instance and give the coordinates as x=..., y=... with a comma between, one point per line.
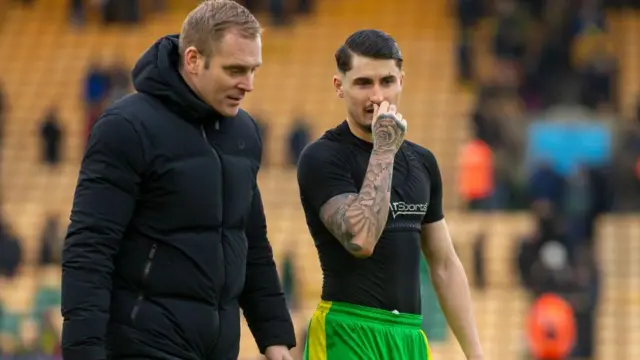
x=168, y=237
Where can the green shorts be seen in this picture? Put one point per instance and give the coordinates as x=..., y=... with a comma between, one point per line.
x=341, y=331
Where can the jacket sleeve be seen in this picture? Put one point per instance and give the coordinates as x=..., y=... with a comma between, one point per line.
x=262, y=299
x=103, y=205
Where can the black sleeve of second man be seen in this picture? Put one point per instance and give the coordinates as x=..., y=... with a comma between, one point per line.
x=103, y=205
x=262, y=299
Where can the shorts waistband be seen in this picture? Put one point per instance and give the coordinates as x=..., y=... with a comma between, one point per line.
x=366, y=313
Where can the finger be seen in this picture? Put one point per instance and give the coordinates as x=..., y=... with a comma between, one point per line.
x=384, y=107
x=404, y=123
x=392, y=109
x=376, y=108
x=399, y=121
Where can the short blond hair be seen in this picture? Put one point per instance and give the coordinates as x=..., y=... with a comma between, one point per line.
x=205, y=25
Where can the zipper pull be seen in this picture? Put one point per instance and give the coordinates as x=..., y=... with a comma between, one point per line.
x=152, y=253
x=217, y=125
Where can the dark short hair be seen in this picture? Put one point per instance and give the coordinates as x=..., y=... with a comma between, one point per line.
x=373, y=44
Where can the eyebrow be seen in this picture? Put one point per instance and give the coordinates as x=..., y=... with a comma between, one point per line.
x=361, y=79
x=364, y=78
x=240, y=67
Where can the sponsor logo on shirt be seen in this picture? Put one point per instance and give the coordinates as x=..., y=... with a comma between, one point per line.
x=402, y=208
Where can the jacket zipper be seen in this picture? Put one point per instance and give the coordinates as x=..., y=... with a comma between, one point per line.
x=145, y=275
x=213, y=149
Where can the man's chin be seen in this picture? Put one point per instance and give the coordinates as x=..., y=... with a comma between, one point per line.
x=365, y=126
x=230, y=111
x=367, y=122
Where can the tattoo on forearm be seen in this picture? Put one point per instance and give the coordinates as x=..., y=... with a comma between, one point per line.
x=334, y=218
x=363, y=214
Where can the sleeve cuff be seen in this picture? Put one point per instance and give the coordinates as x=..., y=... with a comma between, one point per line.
x=279, y=335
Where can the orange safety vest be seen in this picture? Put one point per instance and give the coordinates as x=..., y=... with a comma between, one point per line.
x=476, y=170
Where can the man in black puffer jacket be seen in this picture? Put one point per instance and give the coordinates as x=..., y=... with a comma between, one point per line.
x=167, y=240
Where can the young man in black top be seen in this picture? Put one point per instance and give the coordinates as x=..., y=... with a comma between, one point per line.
x=373, y=201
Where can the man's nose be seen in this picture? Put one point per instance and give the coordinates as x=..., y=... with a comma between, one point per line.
x=376, y=96
x=246, y=84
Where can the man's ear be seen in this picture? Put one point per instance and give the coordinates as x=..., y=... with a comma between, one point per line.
x=337, y=84
x=191, y=57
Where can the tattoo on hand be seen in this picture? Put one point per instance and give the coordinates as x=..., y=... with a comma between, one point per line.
x=388, y=133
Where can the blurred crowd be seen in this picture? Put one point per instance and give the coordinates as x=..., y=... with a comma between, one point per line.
x=548, y=136
x=35, y=334
x=133, y=11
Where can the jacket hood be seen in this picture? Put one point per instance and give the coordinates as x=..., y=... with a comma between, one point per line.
x=156, y=74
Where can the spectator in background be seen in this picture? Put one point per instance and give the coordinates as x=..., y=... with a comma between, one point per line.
x=10, y=252
x=527, y=255
x=588, y=18
x=476, y=181
x=119, y=82
x=46, y=309
x=584, y=300
x=278, y=9
x=546, y=230
x=96, y=91
x=536, y=8
x=553, y=60
x=51, y=136
x=120, y=11
x=598, y=75
x=278, y=13
x=510, y=38
x=552, y=272
x=479, y=257
x=508, y=152
x=469, y=13
x=289, y=279
x=485, y=126
x=578, y=207
x=298, y=139
x=77, y=12
x=28, y=333
x=627, y=165
x=50, y=242
x=546, y=184
x=97, y=85
x=305, y=7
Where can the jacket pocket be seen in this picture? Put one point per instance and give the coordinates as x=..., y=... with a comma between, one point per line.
x=145, y=275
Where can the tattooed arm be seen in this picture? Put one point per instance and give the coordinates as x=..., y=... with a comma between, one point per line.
x=357, y=220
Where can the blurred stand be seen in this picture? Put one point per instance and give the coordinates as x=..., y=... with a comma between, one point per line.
x=532, y=108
